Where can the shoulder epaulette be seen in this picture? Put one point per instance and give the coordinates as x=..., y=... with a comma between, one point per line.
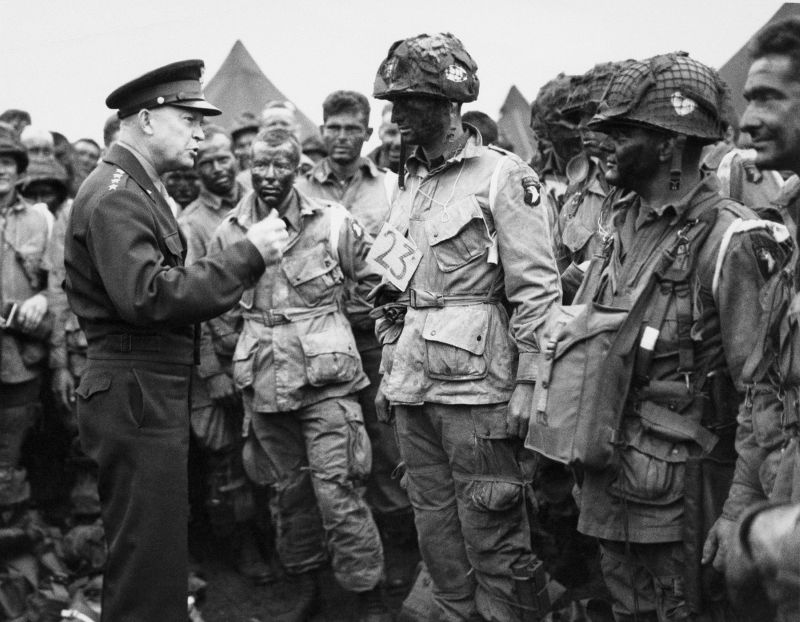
x=116, y=179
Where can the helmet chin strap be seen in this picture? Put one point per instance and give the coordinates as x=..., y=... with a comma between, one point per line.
x=401, y=167
x=677, y=162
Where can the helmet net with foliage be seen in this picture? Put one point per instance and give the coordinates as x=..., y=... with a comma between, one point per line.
x=546, y=108
x=433, y=65
x=670, y=92
x=589, y=90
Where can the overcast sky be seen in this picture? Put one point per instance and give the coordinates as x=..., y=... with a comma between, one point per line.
x=60, y=58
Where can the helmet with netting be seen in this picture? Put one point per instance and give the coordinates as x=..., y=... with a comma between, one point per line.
x=546, y=108
x=433, y=65
x=589, y=90
x=670, y=92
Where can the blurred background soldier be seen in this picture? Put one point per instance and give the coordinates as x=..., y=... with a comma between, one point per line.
x=216, y=407
x=366, y=191
x=482, y=122
x=387, y=154
x=24, y=328
x=242, y=136
x=183, y=186
x=85, y=156
x=18, y=119
x=38, y=142
x=583, y=225
x=458, y=372
x=558, y=138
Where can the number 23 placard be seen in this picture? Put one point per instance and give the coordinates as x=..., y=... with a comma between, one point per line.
x=395, y=256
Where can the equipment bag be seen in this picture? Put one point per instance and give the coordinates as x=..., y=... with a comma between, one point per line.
x=590, y=352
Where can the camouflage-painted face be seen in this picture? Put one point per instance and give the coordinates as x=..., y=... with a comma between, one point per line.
x=434, y=65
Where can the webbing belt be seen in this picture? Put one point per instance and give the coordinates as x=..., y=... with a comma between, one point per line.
x=274, y=317
x=421, y=299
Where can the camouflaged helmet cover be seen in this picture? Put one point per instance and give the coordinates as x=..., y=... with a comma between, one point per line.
x=546, y=109
x=669, y=92
x=590, y=88
x=434, y=65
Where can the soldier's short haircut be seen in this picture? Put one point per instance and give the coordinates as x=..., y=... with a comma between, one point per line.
x=212, y=130
x=280, y=136
x=345, y=101
x=782, y=38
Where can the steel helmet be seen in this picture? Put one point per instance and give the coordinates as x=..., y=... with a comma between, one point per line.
x=433, y=65
x=670, y=92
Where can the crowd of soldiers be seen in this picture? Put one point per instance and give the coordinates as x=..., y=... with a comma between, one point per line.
x=535, y=374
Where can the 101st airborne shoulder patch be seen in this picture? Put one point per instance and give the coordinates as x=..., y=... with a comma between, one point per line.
x=532, y=190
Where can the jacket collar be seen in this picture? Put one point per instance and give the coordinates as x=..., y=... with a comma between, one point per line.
x=123, y=157
x=472, y=148
x=323, y=172
x=246, y=213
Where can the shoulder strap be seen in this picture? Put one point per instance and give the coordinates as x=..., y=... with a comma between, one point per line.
x=495, y=181
x=778, y=231
x=337, y=215
x=389, y=186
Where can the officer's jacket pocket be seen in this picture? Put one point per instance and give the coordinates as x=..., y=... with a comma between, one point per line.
x=455, y=342
x=93, y=382
x=175, y=247
x=458, y=234
x=312, y=273
x=244, y=359
x=330, y=356
x=652, y=468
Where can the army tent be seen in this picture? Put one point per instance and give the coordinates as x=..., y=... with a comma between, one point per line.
x=514, y=124
x=734, y=72
x=240, y=86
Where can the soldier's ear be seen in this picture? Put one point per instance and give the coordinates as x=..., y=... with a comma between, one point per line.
x=145, y=120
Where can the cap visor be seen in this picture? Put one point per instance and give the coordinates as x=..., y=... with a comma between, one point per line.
x=198, y=105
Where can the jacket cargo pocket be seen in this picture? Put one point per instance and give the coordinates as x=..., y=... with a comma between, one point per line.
x=455, y=342
x=459, y=235
x=244, y=360
x=330, y=357
x=494, y=495
x=93, y=382
x=651, y=468
x=312, y=273
x=359, y=450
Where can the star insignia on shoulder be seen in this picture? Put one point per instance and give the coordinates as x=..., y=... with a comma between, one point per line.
x=116, y=178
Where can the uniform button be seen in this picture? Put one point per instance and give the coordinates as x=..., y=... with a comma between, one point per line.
x=675, y=451
x=433, y=332
x=436, y=234
x=478, y=337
